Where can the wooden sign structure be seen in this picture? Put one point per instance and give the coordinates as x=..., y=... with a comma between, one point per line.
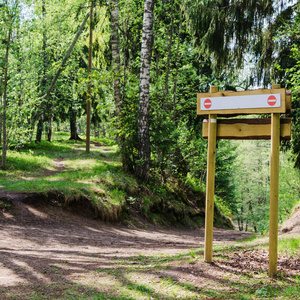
x=226, y=103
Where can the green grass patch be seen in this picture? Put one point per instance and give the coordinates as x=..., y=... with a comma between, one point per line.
x=49, y=146
x=60, y=135
x=27, y=161
x=65, y=166
x=289, y=245
x=104, y=141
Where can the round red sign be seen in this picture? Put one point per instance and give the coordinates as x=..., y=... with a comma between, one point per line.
x=272, y=100
x=207, y=103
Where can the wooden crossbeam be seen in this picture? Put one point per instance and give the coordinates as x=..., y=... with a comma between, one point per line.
x=248, y=129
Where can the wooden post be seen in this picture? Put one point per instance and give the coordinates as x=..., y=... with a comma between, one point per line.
x=210, y=183
x=274, y=191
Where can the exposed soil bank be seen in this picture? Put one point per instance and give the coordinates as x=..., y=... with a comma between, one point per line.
x=292, y=225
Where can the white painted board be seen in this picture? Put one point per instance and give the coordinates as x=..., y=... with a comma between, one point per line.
x=241, y=102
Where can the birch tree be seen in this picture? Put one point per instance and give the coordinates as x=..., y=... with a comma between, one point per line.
x=144, y=151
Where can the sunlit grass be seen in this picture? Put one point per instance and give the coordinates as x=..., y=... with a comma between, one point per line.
x=35, y=168
x=46, y=146
x=27, y=161
x=289, y=245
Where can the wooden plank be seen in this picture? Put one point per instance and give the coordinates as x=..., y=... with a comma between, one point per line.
x=248, y=129
x=253, y=93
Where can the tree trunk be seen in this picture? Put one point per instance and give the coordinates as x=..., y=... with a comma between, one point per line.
x=162, y=152
x=144, y=151
x=74, y=135
x=39, y=129
x=166, y=91
x=96, y=129
x=89, y=88
x=176, y=74
x=73, y=125
x=4, y=101
x=115, y=49
x=241, y=220
x=62, y=66
x=50, y=124
x=40, y=125
x=115, y=46
x=239, y=224
x=103, y=131
x=19, y=62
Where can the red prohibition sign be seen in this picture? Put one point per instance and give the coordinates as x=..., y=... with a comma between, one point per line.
x=207, y=103
x=272, y=100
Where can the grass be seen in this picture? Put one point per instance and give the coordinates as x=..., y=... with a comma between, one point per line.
x=64, y=166
x=289, y=245
x=96, y=175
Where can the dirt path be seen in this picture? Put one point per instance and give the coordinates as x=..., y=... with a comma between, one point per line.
x=35, y=238
x=47, y=252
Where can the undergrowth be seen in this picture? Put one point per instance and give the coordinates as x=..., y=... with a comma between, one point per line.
x=97, y=177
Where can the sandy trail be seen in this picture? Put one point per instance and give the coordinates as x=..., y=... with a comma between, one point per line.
x=36, y=239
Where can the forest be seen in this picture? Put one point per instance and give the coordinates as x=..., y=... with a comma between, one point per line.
x=128, y=72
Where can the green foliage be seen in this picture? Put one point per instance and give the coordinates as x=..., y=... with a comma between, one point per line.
x=289, y=187
x=252, y=185
x=223, y=206
x=195, y=183
x=225, y=159
x=63, y=169
x=217, y=35
x=292, y=33
x=286, y=64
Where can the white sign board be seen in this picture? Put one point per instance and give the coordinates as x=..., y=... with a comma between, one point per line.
x=240, y=102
